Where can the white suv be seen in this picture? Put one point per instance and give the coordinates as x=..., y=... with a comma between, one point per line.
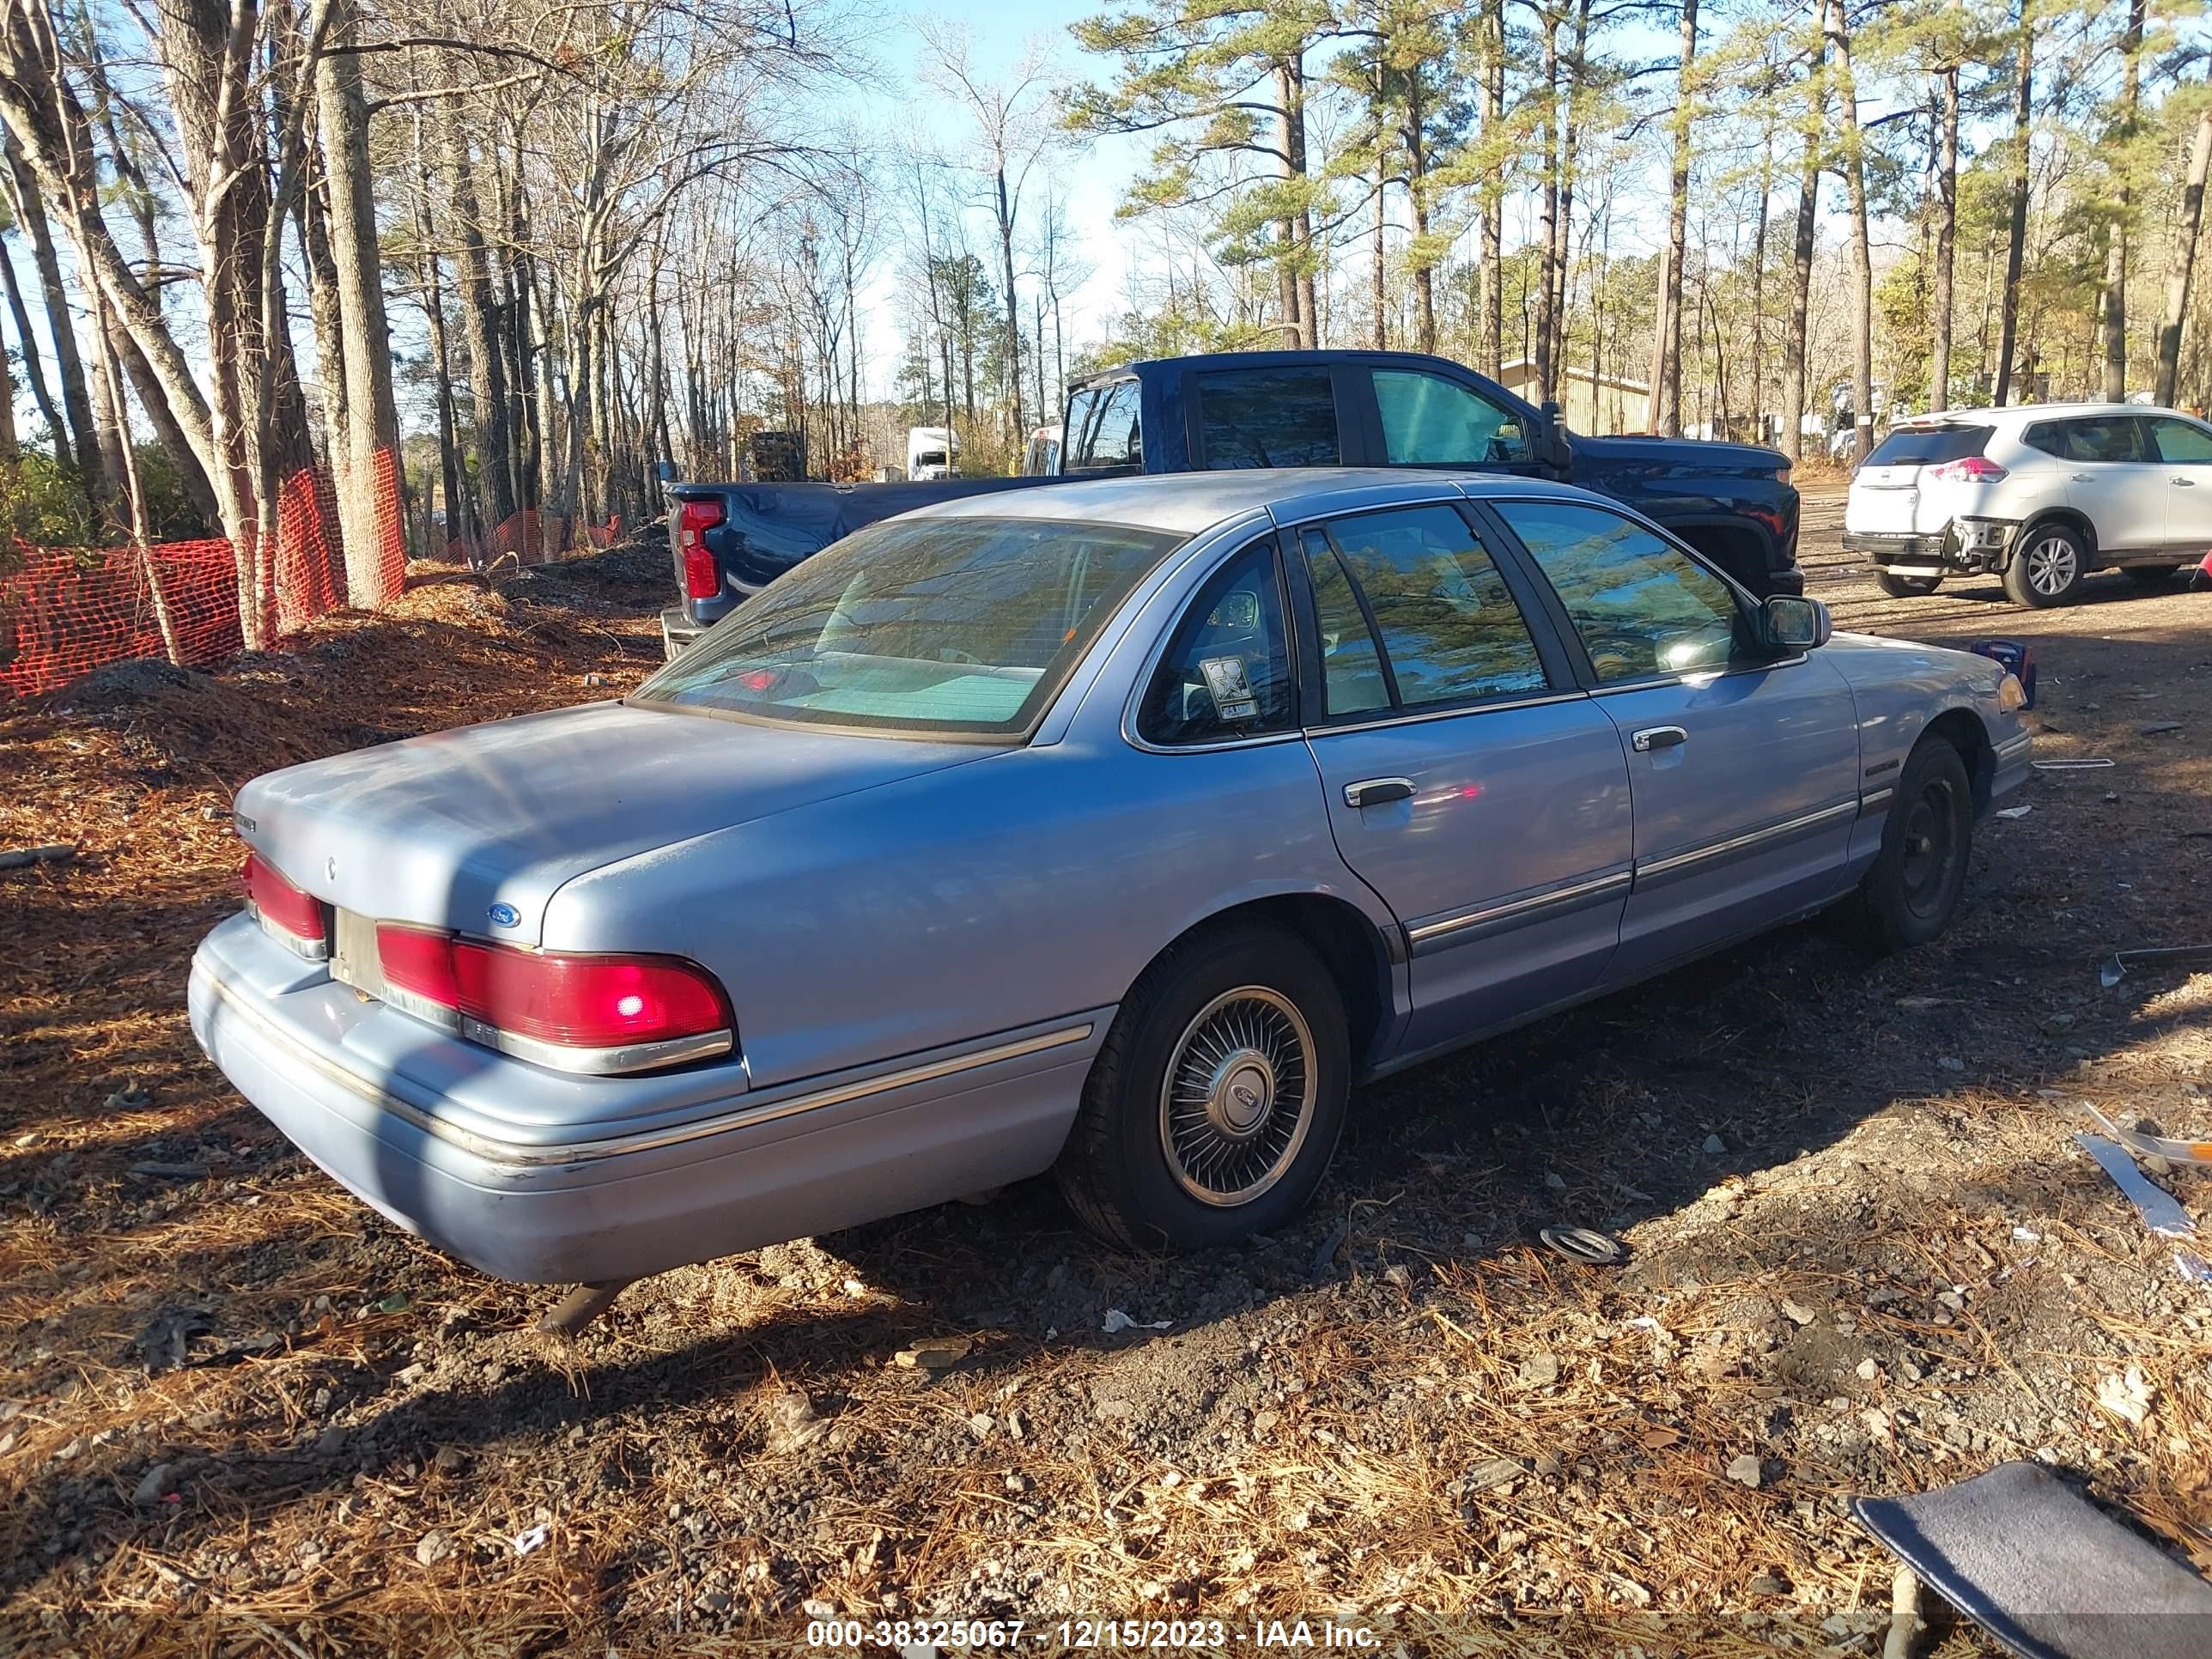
x=2042, y=494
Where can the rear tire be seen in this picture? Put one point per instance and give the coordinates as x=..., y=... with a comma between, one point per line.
x=1906, y=588
x=1911, y=892
x=2048, y=568
x=1215, y=1104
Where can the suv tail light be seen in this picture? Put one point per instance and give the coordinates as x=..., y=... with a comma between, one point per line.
x=294, y=919
x=1968, y=469
x=571, y=1012
x=702, y=581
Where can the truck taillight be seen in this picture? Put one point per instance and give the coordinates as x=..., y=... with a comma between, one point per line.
x=570, y=1011
x=292, y=918
x=702, y=581
x=1969, y=468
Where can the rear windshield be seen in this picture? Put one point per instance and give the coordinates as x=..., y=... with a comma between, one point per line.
x=1929, y=445
x=934, y=625
x=1105, y=430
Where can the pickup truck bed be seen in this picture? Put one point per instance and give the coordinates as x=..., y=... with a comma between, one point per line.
x=1733, y=502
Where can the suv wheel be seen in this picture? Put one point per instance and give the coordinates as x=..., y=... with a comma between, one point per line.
x=1912, y=891
x=1906, y=588
x=1214, y=1107
x=2047, y=568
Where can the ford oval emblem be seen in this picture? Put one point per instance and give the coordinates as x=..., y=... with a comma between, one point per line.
x=505, y=915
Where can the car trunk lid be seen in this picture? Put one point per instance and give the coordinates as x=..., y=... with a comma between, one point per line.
x=1894, y=493
x=475, y=829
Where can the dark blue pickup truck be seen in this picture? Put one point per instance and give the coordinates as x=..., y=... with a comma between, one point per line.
x=1734, y=502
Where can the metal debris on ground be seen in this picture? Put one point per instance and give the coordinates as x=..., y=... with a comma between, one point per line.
x=1585, y=1245
x=1117, y=1321
x=2160, y=1211
x=580, y=1308
x=2028, y=1558
x=2174, y=1152
x=2114, y=967
x=2073, y=763
x=2016, y=812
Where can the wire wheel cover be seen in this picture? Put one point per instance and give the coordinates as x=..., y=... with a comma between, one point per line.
x=1239, y=1095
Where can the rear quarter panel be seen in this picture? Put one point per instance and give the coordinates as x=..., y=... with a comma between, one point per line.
x=1038, y=885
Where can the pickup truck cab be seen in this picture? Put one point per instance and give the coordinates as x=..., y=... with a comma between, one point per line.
x=1732, y=502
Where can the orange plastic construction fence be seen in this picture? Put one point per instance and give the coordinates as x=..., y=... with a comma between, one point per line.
x=66, y=612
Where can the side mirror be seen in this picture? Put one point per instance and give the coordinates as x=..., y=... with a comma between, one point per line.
x=1795, y=624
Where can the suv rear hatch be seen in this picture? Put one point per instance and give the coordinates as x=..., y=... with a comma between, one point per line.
x=1911, y=485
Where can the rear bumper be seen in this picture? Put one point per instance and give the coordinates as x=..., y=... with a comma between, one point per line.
x=2010, y=762
x=538, y=1177
x=678, y=633
x=1965, y=547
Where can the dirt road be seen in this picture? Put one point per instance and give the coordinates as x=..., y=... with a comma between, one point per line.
x=1868, y=1258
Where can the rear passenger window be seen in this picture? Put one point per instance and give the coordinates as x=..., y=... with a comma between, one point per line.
x=1227, y=670
x=2107, y=437
x=1351, y=667
x=2047, y=436
x=1450, y=630
x=1428, y=420
x=1268, y=417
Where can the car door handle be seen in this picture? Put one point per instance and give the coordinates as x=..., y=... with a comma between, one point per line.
x=1378, y=792
x=2082, y=477
x=1657, y=737
x=2186, y=483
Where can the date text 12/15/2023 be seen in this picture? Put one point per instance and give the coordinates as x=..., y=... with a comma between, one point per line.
x=1082, y=1635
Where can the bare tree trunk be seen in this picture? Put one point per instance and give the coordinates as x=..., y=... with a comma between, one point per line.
x=34, y=364
x=1575, y=69
x=1378, y=300
x=2112, y=302
x=1794, y=344
x=370, y=439
x=2022, y=117
x=1666, y=353
x=1490, y=302
x=83, y=450
x=1013, y=312
x=1847, y=106
x=2183, y=261
x=1286, y=230
x=479, y=327
x=134, y=493
x=191, y=476
x=1759, y=287
x=1946, y=234
x=1547, y=147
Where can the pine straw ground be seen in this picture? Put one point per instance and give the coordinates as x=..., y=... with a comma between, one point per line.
x=243, y=1415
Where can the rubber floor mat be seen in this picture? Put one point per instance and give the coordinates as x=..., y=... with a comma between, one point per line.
x=2039, y=1568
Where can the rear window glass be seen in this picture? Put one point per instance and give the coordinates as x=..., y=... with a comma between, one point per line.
x=1105, y=430
x=1268, y=417
x=1929, y=445
x=947, y=625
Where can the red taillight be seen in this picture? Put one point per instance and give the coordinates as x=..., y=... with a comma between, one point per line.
x=283, y=908
x=564, y=1009
x=1969, y=468
x=702, y=581
x=587, y=1002
x=418, y=961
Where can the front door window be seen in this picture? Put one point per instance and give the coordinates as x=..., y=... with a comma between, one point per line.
x=1641, y=606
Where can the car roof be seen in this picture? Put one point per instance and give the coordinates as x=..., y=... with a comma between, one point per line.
x=1188, y=503
x=2013, y=412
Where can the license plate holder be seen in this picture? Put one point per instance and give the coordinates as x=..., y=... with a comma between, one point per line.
x=353, y=955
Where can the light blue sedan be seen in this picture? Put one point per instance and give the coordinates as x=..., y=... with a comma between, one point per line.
x=1117, y=829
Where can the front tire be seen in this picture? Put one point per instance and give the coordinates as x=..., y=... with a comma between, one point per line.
x=1906, y=588
x=2048, y=568
x=1913, y=891
x=1215, y=1104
